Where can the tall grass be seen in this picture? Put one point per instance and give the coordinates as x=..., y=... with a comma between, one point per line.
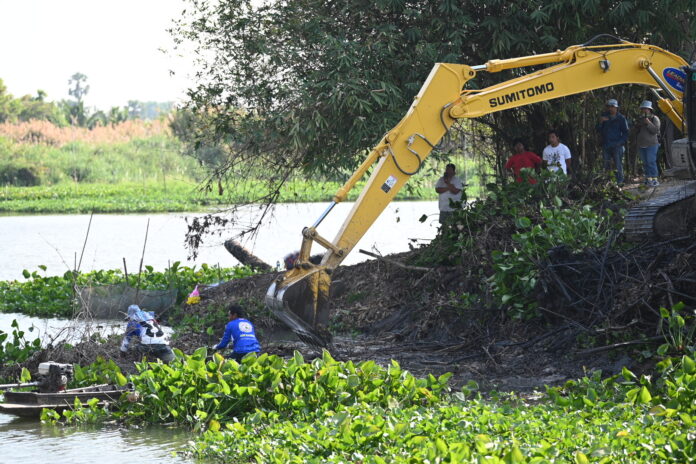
x=45, y=133
x=137, y=166
x=39, y=153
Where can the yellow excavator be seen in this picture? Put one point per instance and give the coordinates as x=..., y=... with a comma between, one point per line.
x=300, y=296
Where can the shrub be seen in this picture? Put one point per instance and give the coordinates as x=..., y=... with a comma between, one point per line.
x=516, y=271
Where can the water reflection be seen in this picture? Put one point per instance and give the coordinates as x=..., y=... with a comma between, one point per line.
x=29, y=441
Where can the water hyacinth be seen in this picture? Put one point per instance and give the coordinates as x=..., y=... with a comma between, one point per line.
x=271, y=410
x=196, y=391
x=46, y=295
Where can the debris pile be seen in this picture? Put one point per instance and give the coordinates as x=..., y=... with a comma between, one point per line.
x=604, y=290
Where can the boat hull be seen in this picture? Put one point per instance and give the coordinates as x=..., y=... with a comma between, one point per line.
x=30, y=404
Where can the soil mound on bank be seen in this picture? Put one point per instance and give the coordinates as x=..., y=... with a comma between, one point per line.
x=386, y=309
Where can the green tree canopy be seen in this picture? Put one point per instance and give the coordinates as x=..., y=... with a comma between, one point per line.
x=309, y=85
x=26, y=108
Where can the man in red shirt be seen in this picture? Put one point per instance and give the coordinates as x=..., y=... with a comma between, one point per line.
x=521, y=159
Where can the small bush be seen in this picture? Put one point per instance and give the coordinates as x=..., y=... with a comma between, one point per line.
x=516, y=271
x=18, y=175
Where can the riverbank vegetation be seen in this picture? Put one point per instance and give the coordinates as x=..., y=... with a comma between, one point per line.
x=138, y=166
x=56, y=296
x=17, y=345
x=173, y=196
x=275, y=410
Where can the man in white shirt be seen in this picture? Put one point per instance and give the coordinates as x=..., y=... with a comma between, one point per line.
x=449, y=187
x=556, y=155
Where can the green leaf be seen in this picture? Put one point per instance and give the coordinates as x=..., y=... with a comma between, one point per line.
x=581, y=458
x=645, y=396
x=353, y=381
x=663, y=349
x=515, y=456
x=628, y=375
x=688, y=364
x=214, y=425
x=441, y=446
x=121, y=379
x=25, y=376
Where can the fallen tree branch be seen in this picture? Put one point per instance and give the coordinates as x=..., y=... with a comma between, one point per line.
x=617, y=328
x=645, y=341
x=246, y=257
x=396, y=263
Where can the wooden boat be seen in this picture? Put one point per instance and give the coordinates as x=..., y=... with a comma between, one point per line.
x=30, y=404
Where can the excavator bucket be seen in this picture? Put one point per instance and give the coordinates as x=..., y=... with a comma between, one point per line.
x=299, y=298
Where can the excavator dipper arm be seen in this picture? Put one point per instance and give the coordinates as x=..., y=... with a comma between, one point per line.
x=300, y=296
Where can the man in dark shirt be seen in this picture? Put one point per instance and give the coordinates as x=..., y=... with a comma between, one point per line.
x=613, y=128
x=522, y=159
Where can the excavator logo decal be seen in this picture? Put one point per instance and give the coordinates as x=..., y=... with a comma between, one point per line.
x=520, y=95
x=675, y=78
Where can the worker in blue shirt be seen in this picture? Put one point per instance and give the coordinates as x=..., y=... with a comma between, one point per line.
x=241, y=333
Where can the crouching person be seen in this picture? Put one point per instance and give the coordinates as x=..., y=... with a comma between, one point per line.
x=145, y=336
x=241, y=333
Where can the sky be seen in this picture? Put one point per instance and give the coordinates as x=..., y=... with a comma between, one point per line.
x=116, y=44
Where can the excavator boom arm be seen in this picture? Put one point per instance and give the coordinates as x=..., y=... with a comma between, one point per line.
x=433, y=112
x=304, y=290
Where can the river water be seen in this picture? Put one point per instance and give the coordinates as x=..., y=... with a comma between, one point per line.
x=56, y=241
x=27, y=441
x=24, y=440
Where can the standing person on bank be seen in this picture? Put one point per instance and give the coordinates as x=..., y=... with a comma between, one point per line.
x=613, y=128
x=241, y=333
x=522, y=159
x=648, y=130
x=449, y=187
x=556, y=154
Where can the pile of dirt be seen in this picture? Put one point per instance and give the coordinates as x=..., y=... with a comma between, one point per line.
x=385, y=309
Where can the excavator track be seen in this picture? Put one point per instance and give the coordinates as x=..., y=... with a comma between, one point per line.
x=665, y=215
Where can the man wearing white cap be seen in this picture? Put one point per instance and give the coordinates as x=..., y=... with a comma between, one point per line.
x=613, y=129
x=648, y=130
